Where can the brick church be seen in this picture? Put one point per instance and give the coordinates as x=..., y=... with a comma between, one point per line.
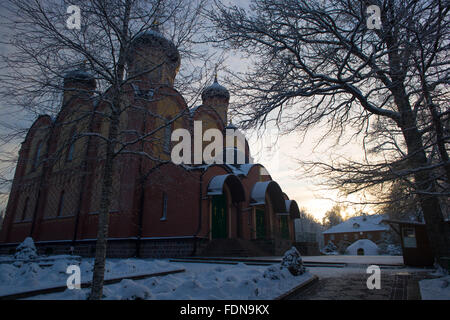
x=159, y=209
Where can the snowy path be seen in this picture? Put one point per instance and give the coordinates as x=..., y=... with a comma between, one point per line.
x=377, y=260
x=350, y=284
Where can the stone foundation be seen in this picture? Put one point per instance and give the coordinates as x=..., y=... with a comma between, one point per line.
x=119, y=248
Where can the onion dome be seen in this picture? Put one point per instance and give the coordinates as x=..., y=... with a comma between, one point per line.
x=80, y=76
x=150, y=50
x=215, y=91
x=154, y=39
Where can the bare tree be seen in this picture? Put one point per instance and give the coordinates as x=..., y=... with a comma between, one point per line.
x=333, y=217
x=319, y=62
x=44, y=49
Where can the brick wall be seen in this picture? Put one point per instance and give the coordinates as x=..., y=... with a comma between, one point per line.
x=374, y=236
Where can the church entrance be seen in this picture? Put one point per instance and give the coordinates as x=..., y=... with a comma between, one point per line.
x=219, y=217
x=260, y=223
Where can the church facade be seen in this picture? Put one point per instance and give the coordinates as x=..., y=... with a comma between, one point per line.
x=158, y=209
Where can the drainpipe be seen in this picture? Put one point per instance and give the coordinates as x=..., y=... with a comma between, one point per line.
x=140, y=215
x=200, y=202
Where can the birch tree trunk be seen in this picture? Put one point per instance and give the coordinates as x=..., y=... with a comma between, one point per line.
x=103, y=217
x=109, y=166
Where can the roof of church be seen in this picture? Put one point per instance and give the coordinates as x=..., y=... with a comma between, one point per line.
x=215, y=90
x=155, y=38
x=78, y=74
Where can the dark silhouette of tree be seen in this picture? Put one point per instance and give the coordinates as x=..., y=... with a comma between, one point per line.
x=318, y=62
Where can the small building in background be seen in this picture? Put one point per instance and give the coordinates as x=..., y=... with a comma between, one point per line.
x=414, y=240
x=355, y=228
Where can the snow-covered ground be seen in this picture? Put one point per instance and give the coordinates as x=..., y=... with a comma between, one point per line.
x=200, y=282
x=26, y=271
x=392, y=260
x=25, y=276
x=435, y=289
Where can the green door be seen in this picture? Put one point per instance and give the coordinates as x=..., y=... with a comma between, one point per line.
x=219, y=217
x=260, y=224
x=284, y=226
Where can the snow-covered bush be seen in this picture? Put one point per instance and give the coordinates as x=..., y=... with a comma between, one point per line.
x=389, y=246
x=274, y=273
x=26, y=250
x=394, y=250
x=342, y=246
x=30, y=270
x=292, y=260
x=329, y=249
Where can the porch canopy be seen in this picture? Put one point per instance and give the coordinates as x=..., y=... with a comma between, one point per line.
x=215, y=186
x=258, y=196
x=292, y=209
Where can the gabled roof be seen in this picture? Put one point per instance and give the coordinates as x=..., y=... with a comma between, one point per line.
x=359, y=224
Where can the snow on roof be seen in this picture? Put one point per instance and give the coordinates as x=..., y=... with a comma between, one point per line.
x=259, y=192
x=241, y=169
x=369, y=247
x=359, y=224
x=288, y=204
x=216, y=184
x=215, y=90
x=194, y=109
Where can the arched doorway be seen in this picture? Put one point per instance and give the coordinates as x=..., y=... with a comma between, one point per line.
x=226, y=192
x=268, y=200
x=360, y=252
x=219, y=217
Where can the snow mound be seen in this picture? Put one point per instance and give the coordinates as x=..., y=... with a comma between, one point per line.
x=435, y=289
x=26, y=250
x=131, y=290
x=364, y=246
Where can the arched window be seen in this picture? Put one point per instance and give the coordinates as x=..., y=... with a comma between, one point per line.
x=167, y=137
x=71, y=148
x=25, y=208
x=37, y=156
x=61, y=204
